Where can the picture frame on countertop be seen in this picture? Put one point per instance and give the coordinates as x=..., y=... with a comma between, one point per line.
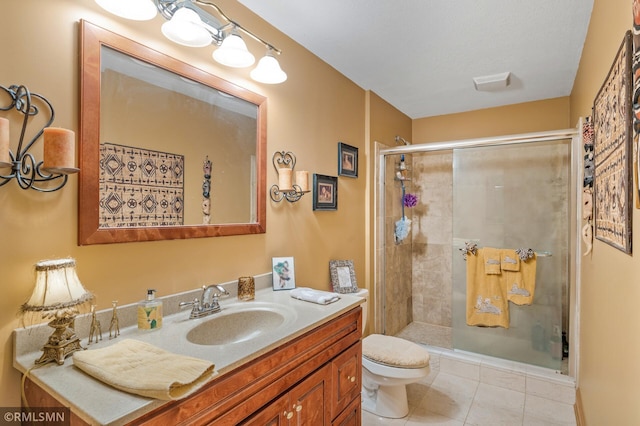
x=343, y=276
x=283, y=272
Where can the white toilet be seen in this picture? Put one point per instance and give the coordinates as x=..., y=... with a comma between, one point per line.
x=388, y=365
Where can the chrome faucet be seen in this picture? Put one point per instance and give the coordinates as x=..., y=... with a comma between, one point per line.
x=208, y=304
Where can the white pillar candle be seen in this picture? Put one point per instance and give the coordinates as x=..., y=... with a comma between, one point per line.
x=285, y=181
x=59, y=150
x=302, y=180
x=5, y=158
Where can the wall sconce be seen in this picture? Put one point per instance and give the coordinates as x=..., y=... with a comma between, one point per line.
x=285, y=163
x=57, y=294
x=189, y=25
x=59, y=145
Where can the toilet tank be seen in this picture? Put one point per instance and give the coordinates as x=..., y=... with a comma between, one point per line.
x=364, y=293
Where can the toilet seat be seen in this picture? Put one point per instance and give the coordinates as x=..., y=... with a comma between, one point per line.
x=394, y=352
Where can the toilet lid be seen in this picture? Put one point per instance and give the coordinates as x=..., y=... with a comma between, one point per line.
x=394, y=351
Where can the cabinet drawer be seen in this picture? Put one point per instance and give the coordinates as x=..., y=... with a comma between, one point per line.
x=346, y=371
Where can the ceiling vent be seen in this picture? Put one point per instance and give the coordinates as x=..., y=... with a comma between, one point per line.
x=492, y=83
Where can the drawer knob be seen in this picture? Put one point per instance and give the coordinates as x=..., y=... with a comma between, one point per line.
x=298, y=408
x=288, y=415
x=351, y=379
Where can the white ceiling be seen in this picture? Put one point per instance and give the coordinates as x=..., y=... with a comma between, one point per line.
x=421, y=55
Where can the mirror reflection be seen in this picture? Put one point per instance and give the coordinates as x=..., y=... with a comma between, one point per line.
x=168, y=151
x=172, y=151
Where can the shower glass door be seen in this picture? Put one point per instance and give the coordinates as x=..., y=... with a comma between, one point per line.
x=515, y=196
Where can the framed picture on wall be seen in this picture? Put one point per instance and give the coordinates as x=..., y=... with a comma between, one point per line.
x=347, y=160
x=325, y=192
x=284, y=277
x=613, y=156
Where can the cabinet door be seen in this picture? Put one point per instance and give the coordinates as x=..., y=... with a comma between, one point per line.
x=310, y=400
x=274, y=414
x=347, y=378
x=306, y=404
x=351, y=416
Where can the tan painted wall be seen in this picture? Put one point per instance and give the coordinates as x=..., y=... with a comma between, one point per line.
x=309, y=114
x=551, y=114
x=610, y=325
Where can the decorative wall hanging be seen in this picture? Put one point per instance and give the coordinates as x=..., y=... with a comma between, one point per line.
x=141, y=187
x=636, y=98
x=347, y=160
x=206, y=191
x=612, y=124
x=587, y=185
x=325, y=192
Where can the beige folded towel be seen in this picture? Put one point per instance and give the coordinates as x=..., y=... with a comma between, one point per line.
x=143, y=369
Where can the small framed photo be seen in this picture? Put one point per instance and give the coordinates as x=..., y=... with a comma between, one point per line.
x=283, y=273
x=325, y=192
x=347, y=160
x=343, y=276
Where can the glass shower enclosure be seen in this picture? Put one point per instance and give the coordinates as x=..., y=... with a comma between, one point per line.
x=515, y=197
x=507, y=192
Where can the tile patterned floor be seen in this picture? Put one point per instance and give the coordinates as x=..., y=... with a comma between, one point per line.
x=461, y=392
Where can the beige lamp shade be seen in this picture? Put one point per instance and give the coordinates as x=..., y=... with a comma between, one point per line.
x=57, y=287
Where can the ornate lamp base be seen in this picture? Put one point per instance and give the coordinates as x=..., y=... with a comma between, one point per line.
x=62, y=342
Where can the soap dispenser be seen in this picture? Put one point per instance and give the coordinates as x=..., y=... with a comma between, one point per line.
x=150, y=312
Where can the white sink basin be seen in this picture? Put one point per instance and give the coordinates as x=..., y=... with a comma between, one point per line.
x=239, y=323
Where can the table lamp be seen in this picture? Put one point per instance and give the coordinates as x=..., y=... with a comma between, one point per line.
x=57, y=295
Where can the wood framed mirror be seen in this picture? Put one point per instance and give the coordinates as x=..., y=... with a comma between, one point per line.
x=149, y=124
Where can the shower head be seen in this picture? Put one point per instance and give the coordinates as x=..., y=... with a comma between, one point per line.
x=402, y=141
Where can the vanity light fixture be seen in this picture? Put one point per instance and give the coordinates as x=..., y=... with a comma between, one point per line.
x=137, y=10
x=286, y=189
x=56, y=295
x=189, y=24
x=268, y=70
x=185, y=28
x=59, y=145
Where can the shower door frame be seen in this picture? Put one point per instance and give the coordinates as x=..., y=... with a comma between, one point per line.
x=576, y=164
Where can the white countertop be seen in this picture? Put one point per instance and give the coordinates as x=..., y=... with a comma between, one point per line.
x=98, y=403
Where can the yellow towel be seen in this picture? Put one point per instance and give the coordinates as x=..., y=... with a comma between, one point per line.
x=143, y=369
x=509, y=260
x=491, y=258
x=486, y=296
x=521, y=285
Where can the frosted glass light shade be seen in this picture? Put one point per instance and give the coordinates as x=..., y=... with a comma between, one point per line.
x=185, y=28
x=57, y=287
x=233, y=52
x=268, y=71
x=137, y=10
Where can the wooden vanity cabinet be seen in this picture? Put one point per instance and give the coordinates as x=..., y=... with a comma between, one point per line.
x=306, y=404
x=314, y=379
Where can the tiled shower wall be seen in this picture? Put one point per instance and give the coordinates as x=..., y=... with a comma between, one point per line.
x=397, y=255
x=431, y=257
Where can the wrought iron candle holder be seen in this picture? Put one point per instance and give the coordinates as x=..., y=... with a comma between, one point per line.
x=285, y=162
x=23, y=167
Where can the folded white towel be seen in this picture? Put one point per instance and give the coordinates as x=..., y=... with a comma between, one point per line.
x=143, y=369
x=315, y=296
